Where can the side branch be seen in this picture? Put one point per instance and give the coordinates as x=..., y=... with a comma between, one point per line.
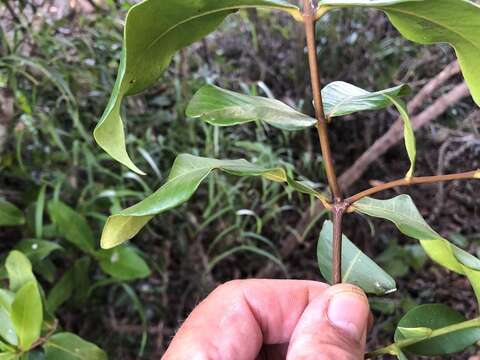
x=309, y=20
x=412, y=181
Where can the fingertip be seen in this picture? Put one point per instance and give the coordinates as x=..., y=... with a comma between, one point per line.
x=348, y=311
x=335, y=323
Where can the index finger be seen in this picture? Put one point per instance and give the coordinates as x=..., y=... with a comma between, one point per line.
x=236, y=319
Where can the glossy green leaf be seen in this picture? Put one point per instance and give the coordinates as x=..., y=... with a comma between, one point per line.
x=19, y=270
x=225, y=108
x=27, y=314
x=124, y=263
x=433, y=21
x=72, y=226
x=357, y=268
x=154, y=31
x=67, y=346
x=341, y=98
x=435, y=316
x=7, y=330
x=10, y=215
x=187, y=173
x=403, y=213
x=37, y=250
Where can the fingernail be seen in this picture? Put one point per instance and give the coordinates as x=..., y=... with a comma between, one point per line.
x=348, y=311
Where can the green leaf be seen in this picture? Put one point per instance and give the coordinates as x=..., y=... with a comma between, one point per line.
x=72, y=226
x=75, y=281
x=222, y=107
x=403, y=213
x=39, y=209
x=27, y=314
x=19, y=270
x=431, y=317
x=154, y=32
x=124, y=263
x=187, y=173
x=10, y=215
x=357, y=268
x=400, y=355
x=430, y=22
x=81, y=280
x=408, y=134
x=341, y=98
x=7, y=330
x=67, y=346
x=6, y=299
x=61, y=292
x=415, y=332
x=8, y=356
x=37, y=250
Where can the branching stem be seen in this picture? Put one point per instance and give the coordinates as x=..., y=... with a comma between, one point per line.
x=338, y=209
x=412, y=181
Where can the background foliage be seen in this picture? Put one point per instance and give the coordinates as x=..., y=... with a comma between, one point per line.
x=56, y=73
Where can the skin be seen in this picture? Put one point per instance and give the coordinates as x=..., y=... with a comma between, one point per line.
x=275, y=319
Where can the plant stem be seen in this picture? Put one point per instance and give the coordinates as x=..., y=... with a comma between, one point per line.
x=338, y=209
x=309, y=21
x=390, y=349
x=412, y=181
x=337, y=217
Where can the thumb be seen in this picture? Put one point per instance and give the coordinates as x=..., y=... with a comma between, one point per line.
x=332, y=327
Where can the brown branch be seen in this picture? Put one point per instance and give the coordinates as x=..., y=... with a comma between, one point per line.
x=338, y=210
x=381, y=146
x=413, y=181
x=337, y=219
x=395, y=134
x=309, y=20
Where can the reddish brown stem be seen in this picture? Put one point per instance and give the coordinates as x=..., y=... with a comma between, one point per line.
x=412, y=181
x=337, y=218
x=309, y=20
x=339, y=206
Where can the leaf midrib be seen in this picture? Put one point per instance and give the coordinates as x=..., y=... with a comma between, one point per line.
x=352, y=264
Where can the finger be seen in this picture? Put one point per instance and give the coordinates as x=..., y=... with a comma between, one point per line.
x=333, y=326
x=240, y=316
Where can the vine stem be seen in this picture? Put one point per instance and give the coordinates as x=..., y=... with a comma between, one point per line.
x=413, y=181
x=338, y=209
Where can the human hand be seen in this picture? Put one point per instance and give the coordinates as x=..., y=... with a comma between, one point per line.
x=275, y=319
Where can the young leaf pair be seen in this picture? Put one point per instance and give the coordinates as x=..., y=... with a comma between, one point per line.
x=23, y=320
